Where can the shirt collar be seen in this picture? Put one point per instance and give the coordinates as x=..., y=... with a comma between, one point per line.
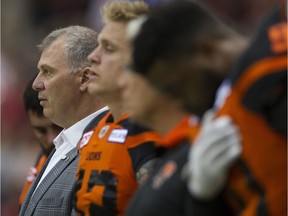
x=73, y=134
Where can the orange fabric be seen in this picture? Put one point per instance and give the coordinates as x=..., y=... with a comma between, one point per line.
x=177, y=135
x=182, y=131
x=263, y=150
x=259, y=69
x=142, y=138
x=33, y=172
x=112, y=158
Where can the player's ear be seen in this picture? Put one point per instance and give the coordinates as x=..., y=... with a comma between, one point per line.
x=84, y=78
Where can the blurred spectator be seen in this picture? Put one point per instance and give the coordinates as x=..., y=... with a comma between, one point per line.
x=15, y=134
x=47, y=15
x=242, y=15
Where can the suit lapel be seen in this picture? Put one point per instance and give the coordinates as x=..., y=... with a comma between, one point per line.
x=49, y=179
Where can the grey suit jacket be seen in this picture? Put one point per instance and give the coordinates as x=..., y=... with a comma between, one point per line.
x=55, y=193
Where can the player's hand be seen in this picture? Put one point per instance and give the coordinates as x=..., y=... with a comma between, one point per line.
x=216, y=147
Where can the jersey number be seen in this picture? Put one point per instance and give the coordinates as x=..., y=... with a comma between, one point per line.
x=107, y=180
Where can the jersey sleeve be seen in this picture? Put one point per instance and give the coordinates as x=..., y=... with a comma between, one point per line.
x=261, y=73
x=141, y=145
x=268, y=97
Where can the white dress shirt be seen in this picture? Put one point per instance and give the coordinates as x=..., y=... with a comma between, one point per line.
x=67, y=140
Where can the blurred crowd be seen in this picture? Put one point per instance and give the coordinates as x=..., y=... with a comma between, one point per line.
x=24, y=23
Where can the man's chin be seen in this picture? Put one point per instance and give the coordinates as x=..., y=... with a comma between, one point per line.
x=45, y=113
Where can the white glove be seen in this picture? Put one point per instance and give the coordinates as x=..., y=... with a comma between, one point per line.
x=216, y=147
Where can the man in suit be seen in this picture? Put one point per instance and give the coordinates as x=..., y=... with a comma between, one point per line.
x=62, y=89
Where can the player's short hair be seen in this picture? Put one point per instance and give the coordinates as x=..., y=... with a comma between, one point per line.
x=123, y=11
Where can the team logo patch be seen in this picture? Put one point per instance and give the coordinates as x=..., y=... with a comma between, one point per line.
x=118, y=135
x=164, y=174
x=31, y=174
x=103, y=131
x=85, y=139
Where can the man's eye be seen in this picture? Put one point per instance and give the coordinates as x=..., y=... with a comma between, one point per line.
x=46, y=72
x=109, y=48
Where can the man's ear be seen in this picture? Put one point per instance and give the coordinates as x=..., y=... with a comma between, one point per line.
x=84, y=78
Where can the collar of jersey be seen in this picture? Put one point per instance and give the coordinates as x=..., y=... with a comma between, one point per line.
x=110, y=119
x=177, y=135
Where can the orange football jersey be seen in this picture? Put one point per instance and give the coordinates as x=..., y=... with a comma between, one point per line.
x=258, y=181
x=110, y=156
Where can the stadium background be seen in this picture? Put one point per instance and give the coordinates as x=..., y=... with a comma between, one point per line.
x=23, y=24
